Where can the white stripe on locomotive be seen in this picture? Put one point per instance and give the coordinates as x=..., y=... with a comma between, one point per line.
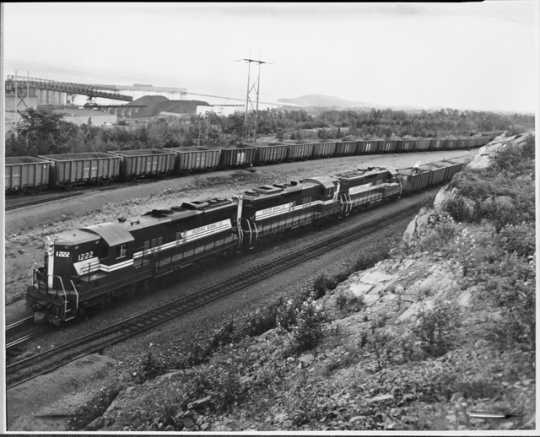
x=91, y=265
x=188, y=236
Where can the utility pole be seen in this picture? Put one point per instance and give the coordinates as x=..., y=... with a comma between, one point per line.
x=252, y=97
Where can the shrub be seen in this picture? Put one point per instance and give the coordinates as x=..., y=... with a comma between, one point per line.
x=221, y=383
x=262, y=320
x=518, y=238
x=512, y=158
x=350, y=304
x=499, y=210
x=378, y=343
x=223, y=335
x=322, y=284
x=309, y=326
x=510, y=287
x=149, y=367
x=436, y=329
x=341, y=301
x=286, y=314
x=197, y=354
x=458, y=209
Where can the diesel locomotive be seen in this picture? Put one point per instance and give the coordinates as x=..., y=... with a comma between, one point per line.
x=86, y=267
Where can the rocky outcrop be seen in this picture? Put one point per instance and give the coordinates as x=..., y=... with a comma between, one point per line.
x=482, y=159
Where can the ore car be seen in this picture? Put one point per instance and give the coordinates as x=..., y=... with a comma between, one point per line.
x=323, y=150
x=388, y=146
x=26, y=173
x=271, y=154
x=69, y=169
x=237, y=157
x=407, y=146
x=346, y=148
x=142, y=163
x=422, y=145
x=191, y=160
x=366, y=147
x=300, y=152
x=414, y=179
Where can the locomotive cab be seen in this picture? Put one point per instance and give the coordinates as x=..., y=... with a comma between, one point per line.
x=55, y=287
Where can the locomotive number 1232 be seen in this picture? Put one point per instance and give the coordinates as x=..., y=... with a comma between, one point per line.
x=86, y=255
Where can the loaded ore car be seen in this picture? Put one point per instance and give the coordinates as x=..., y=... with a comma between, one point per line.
x=388, y=146
x=367, y=146
x=452, y=166
x=190, y=160
x=418, y=178
x=69, y=169
x=407, y=146
x=346, y=148
x=437, y=173
x=437, y=144
x=451, y=144
x=364, y=187
x=271, y=153
x=414, y=179
x=275, y=209
x=300, y=152
x=237, y=157
x=323, y=150
x=141, y=163
x=422, y=145
x=26, y=173
x=85, y=267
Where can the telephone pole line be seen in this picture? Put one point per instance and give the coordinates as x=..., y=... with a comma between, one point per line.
x=252, y=98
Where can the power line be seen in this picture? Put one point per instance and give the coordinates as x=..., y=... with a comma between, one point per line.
x=252, y=97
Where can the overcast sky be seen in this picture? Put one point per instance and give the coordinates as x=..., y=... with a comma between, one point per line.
x=463, y=55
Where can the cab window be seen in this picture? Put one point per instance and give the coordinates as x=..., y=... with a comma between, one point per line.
x=122, y=251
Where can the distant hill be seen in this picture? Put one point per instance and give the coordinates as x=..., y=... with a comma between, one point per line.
x=319, y=100
x=316, y=101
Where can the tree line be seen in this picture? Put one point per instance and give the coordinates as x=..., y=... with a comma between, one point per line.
x=41, y=131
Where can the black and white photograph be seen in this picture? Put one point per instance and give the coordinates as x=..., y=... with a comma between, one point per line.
x=264, y=217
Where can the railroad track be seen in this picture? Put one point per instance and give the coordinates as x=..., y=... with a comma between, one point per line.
x=18, y=333
x=14, y=201
x=28, y=200
x=27, y=368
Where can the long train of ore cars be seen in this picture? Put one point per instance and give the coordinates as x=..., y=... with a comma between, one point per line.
x=34, y=173
x=86, y=267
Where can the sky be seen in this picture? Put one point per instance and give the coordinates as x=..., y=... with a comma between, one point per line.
x=463, y=55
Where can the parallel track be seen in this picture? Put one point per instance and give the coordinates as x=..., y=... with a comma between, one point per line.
x=27, y=368
x=18, y=333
